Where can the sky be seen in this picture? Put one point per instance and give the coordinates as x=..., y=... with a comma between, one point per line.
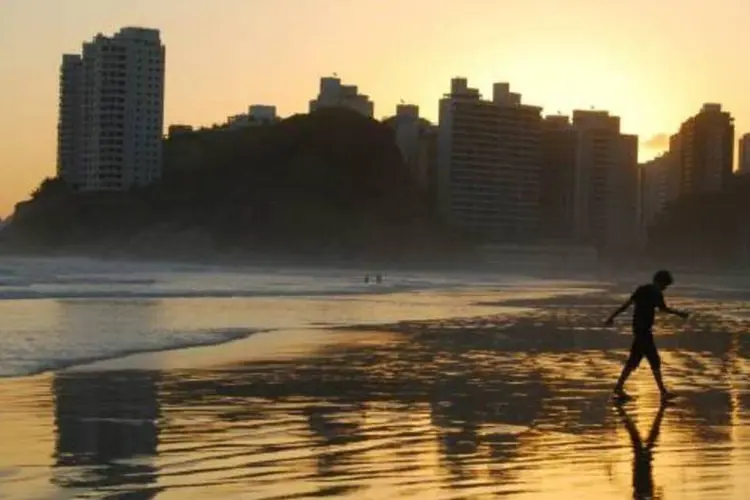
x=652, y=62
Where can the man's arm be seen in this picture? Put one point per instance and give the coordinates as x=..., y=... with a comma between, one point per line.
x=682, y=314
x=665, y=308
x=619, y=311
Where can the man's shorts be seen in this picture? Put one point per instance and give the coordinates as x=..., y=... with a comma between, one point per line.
x=643, y=346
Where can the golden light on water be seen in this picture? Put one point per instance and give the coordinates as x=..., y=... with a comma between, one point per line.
x=512, y=402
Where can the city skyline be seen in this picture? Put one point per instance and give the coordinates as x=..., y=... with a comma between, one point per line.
x=393, y=52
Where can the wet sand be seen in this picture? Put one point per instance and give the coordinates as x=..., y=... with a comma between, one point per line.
x=512, y=404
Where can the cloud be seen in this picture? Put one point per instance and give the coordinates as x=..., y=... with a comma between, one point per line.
x=657, y=142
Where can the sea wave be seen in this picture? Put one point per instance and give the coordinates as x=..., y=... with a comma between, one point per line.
x=97, y=310
x=33, y=359
x=30, y=294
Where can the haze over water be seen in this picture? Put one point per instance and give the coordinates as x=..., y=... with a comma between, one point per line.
x=452, y=386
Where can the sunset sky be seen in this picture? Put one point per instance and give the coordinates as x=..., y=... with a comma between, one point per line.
x=653, y=62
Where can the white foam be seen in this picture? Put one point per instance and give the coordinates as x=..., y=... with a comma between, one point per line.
x=35, y=354
x=61, y=312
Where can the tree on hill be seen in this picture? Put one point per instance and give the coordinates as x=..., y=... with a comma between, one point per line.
x=332, y=177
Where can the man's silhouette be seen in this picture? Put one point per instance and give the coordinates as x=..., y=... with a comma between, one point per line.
x=643, y=478
x=646, y=298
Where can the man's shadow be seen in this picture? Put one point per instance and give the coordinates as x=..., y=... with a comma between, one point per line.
x=643, y=479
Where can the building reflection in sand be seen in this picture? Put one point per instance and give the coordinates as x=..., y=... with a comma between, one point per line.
x=107, y=432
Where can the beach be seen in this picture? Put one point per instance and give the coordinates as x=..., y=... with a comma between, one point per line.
x=427, y=392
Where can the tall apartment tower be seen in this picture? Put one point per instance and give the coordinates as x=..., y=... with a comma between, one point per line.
x=706, y=150
x=112, y=112
x=70, y=121
x=659, y=185
x=489, y=162
x=416, y=138
x=606, y=199
x=558, y=178
x=744, y=150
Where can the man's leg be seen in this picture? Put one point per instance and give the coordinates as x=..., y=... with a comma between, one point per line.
x=631, y=364
x=652, y=354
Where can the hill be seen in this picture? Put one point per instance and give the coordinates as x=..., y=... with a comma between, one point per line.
x=329, y=183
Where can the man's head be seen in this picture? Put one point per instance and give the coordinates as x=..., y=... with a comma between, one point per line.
x=663, y=279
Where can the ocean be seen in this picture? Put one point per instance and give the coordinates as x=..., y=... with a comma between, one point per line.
x=60, y=312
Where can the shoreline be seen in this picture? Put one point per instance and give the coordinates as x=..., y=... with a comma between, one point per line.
x=212, y=355
x=65, y=366
x=265, y=346
x=233, y=345
x=240, y=307
x=222, y=348
x=262, y=345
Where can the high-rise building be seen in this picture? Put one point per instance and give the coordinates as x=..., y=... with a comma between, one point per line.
x=706, y=150
x=489, y=161
x=558, y=177
x=70, y=121
x=744, y=150
x=606, y=207
x=333, y=94
x=112, y=112
x=660, y=184
x=416, y=139
x=407, y=126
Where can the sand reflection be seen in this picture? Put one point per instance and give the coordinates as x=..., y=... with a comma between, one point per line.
x=107, y=432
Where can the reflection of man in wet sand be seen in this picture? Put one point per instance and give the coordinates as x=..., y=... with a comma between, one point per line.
x=643, y=479
x=646, y=299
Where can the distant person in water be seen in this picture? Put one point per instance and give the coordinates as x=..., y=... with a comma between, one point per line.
x=646, y=299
